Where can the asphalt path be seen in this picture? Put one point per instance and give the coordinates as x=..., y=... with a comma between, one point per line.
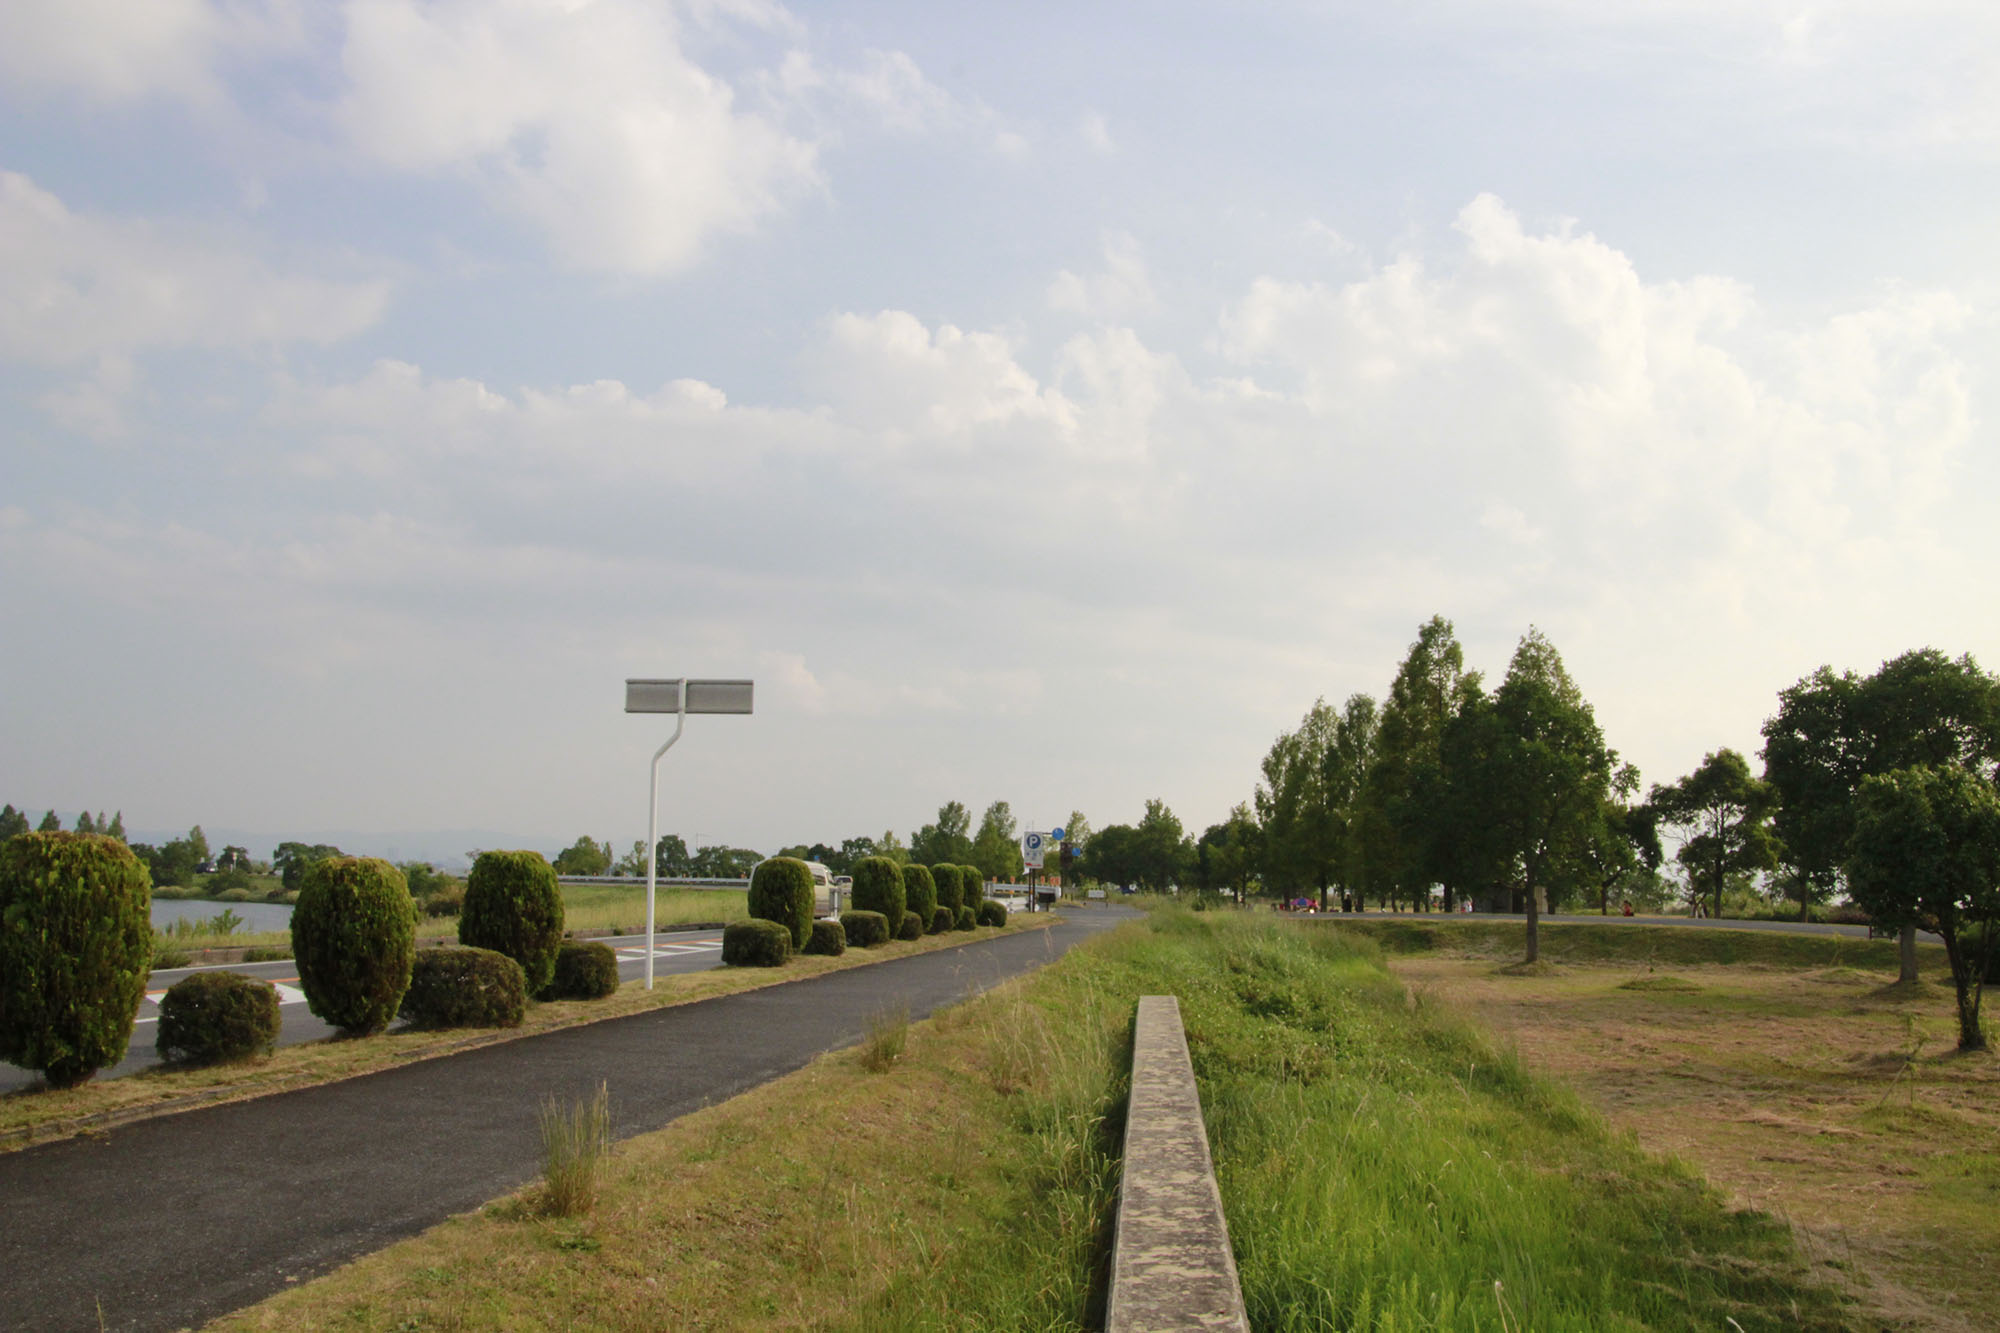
x=682, y=951
x=169, y=1222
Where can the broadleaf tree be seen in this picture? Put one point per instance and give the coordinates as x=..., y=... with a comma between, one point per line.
x=1926, y=851
x=1722, y=814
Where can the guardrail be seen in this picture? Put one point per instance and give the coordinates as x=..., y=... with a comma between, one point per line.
x=1171, y=1265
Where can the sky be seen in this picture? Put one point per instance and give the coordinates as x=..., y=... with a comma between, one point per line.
x=1041, y=403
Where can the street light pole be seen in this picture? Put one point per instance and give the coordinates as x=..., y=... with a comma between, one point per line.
x=679, y=697
x=653, y=822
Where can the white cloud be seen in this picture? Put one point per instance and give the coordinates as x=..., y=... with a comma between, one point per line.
x=75, y=287
x=120, y=52
x=591, y=122
x=1122, y=290
x=1095, y=132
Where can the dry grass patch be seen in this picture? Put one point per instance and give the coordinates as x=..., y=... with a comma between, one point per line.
x=36, y=1115
x=833, y=1198
x=1824, y=1096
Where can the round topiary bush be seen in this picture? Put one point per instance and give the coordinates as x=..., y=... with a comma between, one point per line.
x=76, y=943
x=992, y=913
x=965, y=918
x=585, y=970
x=781, y=890
x=465, y=988
x=864, y=929
x=913, y=927
x=216, y=1016
x=974, y=880
x=354, y=937
x=756, y=943
x=878, y=887
x=514, y=906
x=920, y=894
x=943, y=919
x=828, y=937
x=950, y=887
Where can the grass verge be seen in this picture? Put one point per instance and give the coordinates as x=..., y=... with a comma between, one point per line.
x=37, y=1114
x=1383, y=1167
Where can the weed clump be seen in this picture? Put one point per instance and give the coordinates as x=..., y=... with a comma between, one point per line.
x=887, y=1033
x=576, y=1140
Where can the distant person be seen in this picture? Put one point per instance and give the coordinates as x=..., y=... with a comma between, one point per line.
x=1628, y=907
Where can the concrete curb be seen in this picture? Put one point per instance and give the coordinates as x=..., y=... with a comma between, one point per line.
x=1171, y=1265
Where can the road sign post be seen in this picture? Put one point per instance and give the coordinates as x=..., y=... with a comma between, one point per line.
x=679, y=697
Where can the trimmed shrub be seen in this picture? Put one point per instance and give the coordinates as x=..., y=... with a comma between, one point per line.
x=950, y=886
x=913, y=927
x=965, y=918
x=514, y=906
x=974, y=880
x=585, y=970
x=756, y=943
x=76, y=943
x=216, y=1016
x=943, y=919
x=992, y=913
x=920, y=894
x=864, y=929
x=465, y=988
x=354, y=937
x=828, y=937
x=878, y=887
x=781, y=890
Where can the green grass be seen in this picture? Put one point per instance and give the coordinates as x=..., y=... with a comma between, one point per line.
x=622, y=907
x=1574, y=942
x=1384, y=1167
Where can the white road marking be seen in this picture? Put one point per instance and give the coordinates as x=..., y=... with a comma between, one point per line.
x=671, y=950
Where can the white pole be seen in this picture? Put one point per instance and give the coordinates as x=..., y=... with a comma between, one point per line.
x=653, y=825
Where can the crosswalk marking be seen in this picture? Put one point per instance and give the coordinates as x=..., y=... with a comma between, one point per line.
x=670, y=950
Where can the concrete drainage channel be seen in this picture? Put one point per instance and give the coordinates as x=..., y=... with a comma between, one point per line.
x=1171, y=1265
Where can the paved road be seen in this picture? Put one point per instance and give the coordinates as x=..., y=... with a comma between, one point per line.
x=170, y=1222
x=684, y=951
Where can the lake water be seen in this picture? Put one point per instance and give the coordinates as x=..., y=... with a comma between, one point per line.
x=254, y=916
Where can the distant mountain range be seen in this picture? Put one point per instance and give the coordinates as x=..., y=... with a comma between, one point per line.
x=444, y=848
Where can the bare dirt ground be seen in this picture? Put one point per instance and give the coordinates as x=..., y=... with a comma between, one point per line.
x=1825, y=1097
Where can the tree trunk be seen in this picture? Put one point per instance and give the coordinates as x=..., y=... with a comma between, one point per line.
x=1906, y=949
x=1534, y=930
x=1970, y=1038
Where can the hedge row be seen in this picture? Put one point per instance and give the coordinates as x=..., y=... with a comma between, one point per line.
x=76, y=948
x=891, y=902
